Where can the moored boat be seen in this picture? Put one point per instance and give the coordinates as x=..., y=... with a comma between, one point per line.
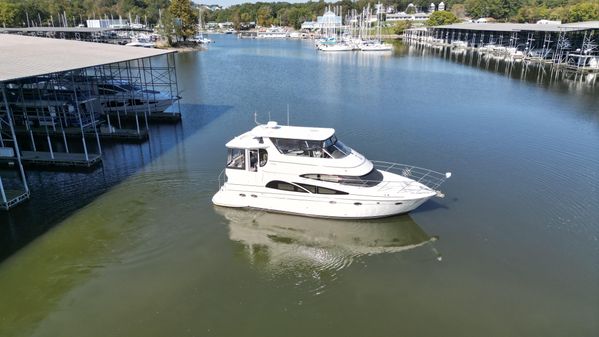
x=308, y=171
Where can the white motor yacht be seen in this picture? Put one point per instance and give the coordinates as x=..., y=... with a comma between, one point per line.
x=308, y=171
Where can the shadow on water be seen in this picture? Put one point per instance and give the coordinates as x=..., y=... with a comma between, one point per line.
x=56, y=195
x=314, y=249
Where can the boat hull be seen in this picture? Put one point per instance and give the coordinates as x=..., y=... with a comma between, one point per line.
x=315, y=205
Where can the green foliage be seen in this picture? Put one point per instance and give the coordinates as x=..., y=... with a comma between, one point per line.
x=183, y=18
x=401, y=26
x=442, y=18
x=459, y=10
x=15, y=12
x=584, y=11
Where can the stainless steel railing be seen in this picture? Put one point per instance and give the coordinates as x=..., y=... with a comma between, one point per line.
x=429, y=178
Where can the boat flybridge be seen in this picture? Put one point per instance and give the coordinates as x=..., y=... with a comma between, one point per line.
x=308, y=171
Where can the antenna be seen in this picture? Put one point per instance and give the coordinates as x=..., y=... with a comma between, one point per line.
x=256, y=118
x=269, y=116
x=287, y=114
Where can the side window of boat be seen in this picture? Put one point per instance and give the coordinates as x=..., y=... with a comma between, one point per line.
x=281, y=185
x=322, y=190
x=236, y=159
x=263, y=157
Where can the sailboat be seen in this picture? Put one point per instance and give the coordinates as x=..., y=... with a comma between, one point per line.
x=375, y=44
x=199, y=38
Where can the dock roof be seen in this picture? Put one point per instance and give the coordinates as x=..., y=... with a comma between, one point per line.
x=516, y=27
x=25, y=56
x=68, y=29
x=53, y=29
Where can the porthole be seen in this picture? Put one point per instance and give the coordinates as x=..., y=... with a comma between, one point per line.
x=398, y=203
x=241, y=195
x=357, y=203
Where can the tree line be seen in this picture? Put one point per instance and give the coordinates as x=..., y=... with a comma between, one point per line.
x=16, y=13
x=19, y=13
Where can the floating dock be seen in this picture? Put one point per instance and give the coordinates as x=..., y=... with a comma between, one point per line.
x=127, y=135
x=42, y=158
x=155, y=117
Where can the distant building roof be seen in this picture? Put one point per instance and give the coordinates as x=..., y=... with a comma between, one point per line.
x=514, y=27
x=26, y=56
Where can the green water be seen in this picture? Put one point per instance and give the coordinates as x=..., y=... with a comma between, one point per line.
x=512, y=250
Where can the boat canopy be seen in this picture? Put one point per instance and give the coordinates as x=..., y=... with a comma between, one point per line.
x=246, y=141
x=273, y=130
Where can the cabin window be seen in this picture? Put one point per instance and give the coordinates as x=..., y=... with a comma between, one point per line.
x=298, y=147
x=302, y=188
x=236, y=159
x=253, y=160
x=372, y=178
x=263, y=157
x=281, y=185
x=321, y=190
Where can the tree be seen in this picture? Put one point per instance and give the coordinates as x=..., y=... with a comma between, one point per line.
x=439, y=18
x=458, y=10
x=584, y=11
x=476, y=8
x=183, y=18
x=8, y=14
x=401, y=26
x=264, y=15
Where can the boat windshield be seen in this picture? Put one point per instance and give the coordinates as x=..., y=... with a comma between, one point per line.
x=335, y=148
x=330, y=148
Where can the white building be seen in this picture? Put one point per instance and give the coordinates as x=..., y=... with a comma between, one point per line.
x=328, y=20
x=107, y=23
x=403, y=16
x=441, y=6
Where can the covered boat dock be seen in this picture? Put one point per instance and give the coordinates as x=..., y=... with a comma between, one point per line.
x=59, y=98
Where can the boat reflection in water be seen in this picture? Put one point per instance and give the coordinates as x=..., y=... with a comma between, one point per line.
x=284, y=243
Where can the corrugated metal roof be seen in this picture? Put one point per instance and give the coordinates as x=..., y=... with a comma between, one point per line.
x=54, y=29
x=516, y=27
x=25, y=56
x=583, y=25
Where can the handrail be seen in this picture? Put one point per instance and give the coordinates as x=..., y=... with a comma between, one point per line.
x=222, y=179
x=429, y=178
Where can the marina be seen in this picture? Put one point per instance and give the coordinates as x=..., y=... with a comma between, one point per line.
x=572, y=46
x=135, y=246
x=56, y=113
